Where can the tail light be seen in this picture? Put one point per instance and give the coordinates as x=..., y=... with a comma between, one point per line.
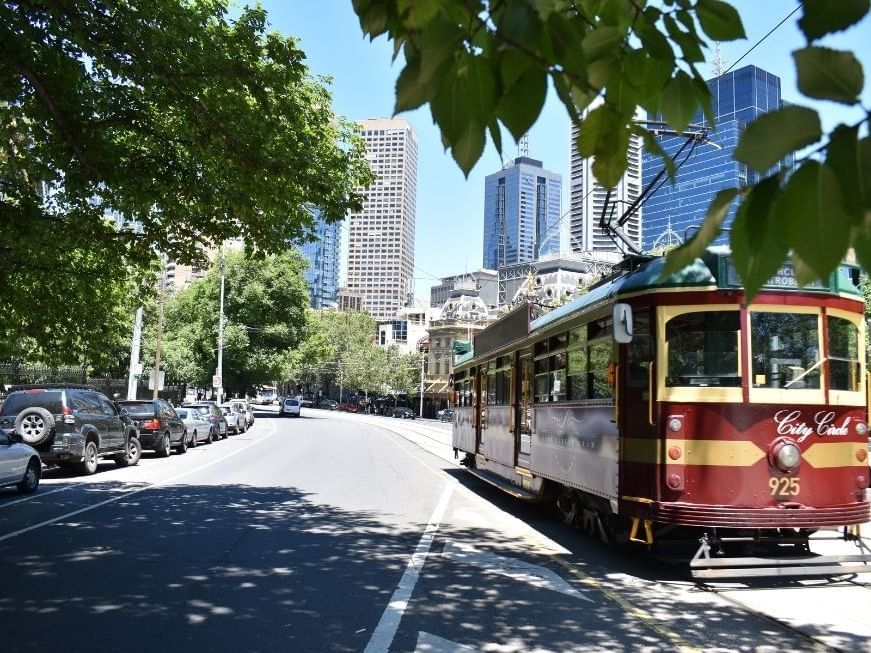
x=68, y=417
x=151, y=424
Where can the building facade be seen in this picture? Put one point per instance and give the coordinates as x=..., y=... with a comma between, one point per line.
x=322, y=254
x=485, y=282
x=522, y=205
x=588, y=198
x=674, y=211
x=381, y=236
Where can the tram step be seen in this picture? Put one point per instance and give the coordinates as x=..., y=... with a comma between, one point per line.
x=794, y=566
x=505, y=486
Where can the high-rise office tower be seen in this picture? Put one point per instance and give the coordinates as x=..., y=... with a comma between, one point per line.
x=322, y=275
x=521, y=213
x=671, y=213
x=588, y=199
x=381, y=236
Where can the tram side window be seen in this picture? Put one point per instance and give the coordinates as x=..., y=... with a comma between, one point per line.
x=541, y=380
x=844, y=366
x=557, y=387
x=503, y=381
x=785, y=350
x=639, y=352
x=703, y=349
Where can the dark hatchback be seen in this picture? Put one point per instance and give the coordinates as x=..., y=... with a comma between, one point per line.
x=404, y=413
x=160, y=427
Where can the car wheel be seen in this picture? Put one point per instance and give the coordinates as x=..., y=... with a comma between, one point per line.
x=30, y=482
x=211, y=437
x=165, y=448
x=34, y=425
x=90, y=454
x=194, y=439
x=183, y=445
x=132, y=455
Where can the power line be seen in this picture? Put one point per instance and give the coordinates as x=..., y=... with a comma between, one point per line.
x=788, y=16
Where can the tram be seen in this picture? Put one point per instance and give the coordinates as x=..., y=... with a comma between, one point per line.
x=656, y=409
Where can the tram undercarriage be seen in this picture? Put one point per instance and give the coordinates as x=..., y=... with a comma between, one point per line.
x=711, y=553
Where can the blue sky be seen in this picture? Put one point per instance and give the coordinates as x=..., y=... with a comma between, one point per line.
x=450, y=208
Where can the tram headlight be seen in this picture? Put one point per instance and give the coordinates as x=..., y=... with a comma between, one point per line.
x=675, y=424
x=785, y=454
x=861, y=428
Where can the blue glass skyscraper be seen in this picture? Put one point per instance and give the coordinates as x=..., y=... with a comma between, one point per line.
x=322, y=275
x=674, y=210
x=521, y=213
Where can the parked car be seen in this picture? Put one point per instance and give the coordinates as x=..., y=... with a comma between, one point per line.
x=19, y=464
x=236, y=421
x=289, y=406
x=404, y=412
x=199, y=428
x=242, y=406
x=72, y=427
x=160, y=428
x=329, y=404
x=447, y=415
x=210, y=411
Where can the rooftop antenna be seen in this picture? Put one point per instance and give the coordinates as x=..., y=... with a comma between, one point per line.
x=718, y=63
x=523, y=145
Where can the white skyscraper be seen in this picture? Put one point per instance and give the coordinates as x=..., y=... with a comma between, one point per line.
x=585, y=234
x=381, y=236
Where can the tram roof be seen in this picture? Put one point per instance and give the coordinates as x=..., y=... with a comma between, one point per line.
x=714, y=268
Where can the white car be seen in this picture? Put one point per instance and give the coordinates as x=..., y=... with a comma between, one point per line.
x=289, y=406
x=236, y=420
x=19, y=464
x=243, y=407
x=198, y=427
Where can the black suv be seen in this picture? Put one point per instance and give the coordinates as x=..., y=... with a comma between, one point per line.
x=160, y=428
x=71, y=427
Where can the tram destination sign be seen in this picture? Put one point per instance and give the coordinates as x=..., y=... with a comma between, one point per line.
x=783, y=278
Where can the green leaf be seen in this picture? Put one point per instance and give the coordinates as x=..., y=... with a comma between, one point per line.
x=496, y=134
x=758, y=244
x=703, y=94
x=410, y=92
x=602, y=43
x=593, y=130
x=611, y=162
x=469, y=147
x=654, y=41
x=567, y=35
x=520, y=24
x=774, y=135
x=652, y=145
x=690, y=44
x=695, y=246
x=850, y=159
x=512, y=64
x=480, y=88
x=829, y=74
x=436, y=47
x=604, y=136
x=811, y=208
x=417, y=13
x=467, y=93
x=720, y=20
x=821, y=17
x=521, y=104
x=679, y=102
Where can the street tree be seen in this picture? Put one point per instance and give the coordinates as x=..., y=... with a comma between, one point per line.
x=265, y=300
x=193, y=123
x=483, y=65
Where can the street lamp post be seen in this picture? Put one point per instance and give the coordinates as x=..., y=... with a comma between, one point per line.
x=422, y=364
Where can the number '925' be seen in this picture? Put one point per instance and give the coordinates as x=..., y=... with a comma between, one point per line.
x=781, y=487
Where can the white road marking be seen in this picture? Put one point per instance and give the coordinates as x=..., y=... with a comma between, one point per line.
x=151, y=486
x=384, y=633
x=428, y=643
x=39, y=495
x=525, y=572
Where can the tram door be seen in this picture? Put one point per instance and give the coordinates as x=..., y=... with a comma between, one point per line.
x=636, y=408
x=523, y=409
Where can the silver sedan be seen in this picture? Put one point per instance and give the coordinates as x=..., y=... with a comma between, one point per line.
x=19, y=464
x=198, y=428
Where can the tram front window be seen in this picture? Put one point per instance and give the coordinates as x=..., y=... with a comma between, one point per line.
x=785, y=348
x=703, y=349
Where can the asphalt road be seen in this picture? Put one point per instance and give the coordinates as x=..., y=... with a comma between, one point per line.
x=338, y=532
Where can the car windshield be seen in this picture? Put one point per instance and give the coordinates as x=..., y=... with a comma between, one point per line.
x=18, y=401
x=183, y=413
x=291, y=402
x=138, y=408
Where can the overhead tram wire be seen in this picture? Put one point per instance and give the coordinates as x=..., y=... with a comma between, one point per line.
x=770, y=32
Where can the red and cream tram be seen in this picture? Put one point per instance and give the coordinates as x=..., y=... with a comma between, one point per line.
x=651, y=407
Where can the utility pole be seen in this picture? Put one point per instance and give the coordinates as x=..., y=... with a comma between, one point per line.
x=220, y=373
x=422, y=362
x=135, y=365
x=159, y=328
x=340, y=382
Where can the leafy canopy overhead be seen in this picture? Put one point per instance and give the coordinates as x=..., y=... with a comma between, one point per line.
x=483, y=65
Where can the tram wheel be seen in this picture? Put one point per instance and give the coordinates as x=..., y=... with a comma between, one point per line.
x=569, y=506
